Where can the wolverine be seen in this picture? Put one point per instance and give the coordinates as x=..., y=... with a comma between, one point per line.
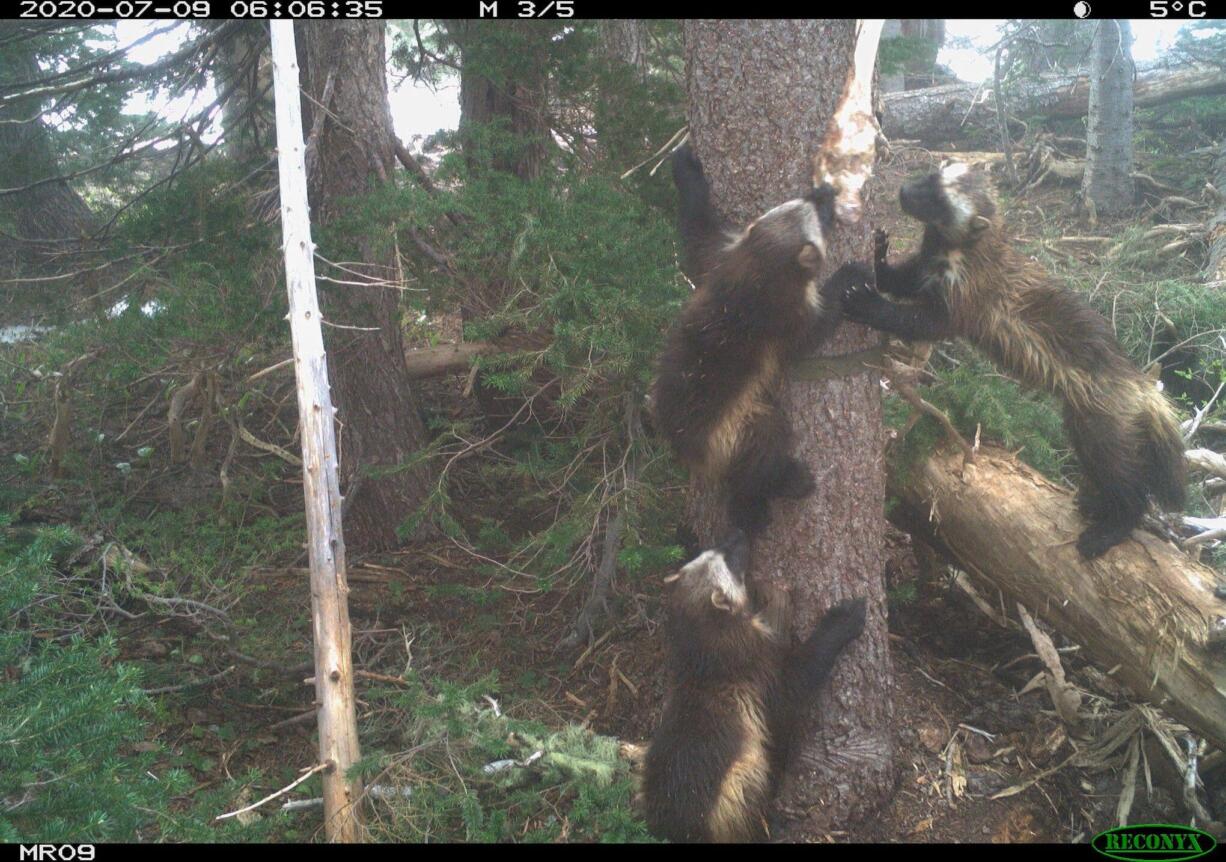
x=968, y=280
x=758, y=304
x=739, y=683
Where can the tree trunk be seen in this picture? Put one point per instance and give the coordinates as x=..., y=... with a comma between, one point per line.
x=755, y=126
x=1107, y=187
x=917, y=70
x=50, y=218
x=1145, y=606
x=380, y=425
x=245, y=71
x=1215, y=272
x=338, y=728
x=893, y=80
x=625, y=40
x=504, y=126
x=623, y=43
x=503, y=83
x=939, y=115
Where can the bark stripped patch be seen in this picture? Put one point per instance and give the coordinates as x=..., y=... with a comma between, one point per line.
x=846, y=157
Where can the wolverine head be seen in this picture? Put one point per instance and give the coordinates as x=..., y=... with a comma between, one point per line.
x=955, y=199
x=793, y=232
x=714, y=581
x=718, y=623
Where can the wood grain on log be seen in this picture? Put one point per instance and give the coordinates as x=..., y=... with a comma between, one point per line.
x=1144, y=608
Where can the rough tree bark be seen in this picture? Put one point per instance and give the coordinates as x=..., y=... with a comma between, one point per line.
x=1107, y=187
x=625, y=40
x=938, y=115
x=244, y=68
x=50, y=218
x=380, y=424
x=503, y=81
x=624, y=45
x=1145, y=606
x=1215, y=271
x=755, y=125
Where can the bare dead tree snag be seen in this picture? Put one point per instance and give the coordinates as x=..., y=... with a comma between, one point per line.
x=338, y=730
x=1215, y=272
x=1144, y=607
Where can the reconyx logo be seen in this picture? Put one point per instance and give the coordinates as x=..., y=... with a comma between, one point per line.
x=1153, y=841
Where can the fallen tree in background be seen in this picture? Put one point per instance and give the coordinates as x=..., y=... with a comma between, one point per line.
x=951, y=112
x=1145, y=609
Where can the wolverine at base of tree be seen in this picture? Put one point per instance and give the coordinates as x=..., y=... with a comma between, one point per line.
x=757, y=305
x=738, y=686
x=967, y=280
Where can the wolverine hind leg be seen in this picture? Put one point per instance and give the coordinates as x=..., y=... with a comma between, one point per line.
x=754, y=482
x=762, y=470
x=1112, y=495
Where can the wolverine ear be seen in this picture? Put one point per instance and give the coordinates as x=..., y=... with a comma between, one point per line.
x=980, y=223
x=668, y=579
x=720, y=599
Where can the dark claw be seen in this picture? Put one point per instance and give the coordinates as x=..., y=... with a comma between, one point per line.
x=881, y=245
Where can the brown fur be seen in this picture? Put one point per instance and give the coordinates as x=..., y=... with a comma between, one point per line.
x=757, y=305
x=970, y=281
x=737, y=684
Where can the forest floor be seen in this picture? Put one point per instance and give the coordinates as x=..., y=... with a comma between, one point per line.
x=967, y=730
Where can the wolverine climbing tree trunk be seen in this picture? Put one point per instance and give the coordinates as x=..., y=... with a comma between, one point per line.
x=1107, y=186
x=381, y=429
x=760, y=96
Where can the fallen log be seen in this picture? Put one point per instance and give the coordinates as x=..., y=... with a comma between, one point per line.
x=1144, y=608
x=420, y=362
x=951, y=111
x=444, y=359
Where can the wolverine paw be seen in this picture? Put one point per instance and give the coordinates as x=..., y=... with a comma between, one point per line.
x=796, y=483
x=686, y=166
x=1097, y=539
x=859, y=300
x=881, y=246
x=845, y=621
x=848, y=276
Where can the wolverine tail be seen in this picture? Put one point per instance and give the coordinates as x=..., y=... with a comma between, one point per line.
x=1162, y=451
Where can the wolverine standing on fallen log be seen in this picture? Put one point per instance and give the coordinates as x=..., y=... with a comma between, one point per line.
x=968, y=280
